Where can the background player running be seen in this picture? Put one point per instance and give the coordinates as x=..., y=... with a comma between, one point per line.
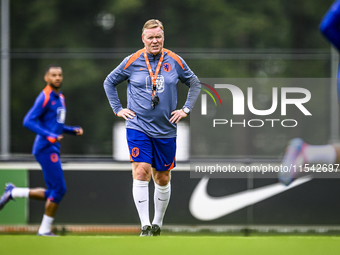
x=298, y=152
x=151, y=117
x=46, y=118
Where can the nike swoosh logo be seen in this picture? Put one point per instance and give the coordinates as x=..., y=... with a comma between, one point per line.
x=140, y=69
x=141, y=201
x=166, y=165
x=204, y=207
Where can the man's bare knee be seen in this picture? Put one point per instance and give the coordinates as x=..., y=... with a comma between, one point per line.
x=161, y=178
x=141, y=171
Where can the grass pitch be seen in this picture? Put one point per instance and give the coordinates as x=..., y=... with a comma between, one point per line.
x=64, y=245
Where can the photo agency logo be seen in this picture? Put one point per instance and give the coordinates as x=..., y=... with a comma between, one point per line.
x=295, y=96
x=204, y=98
x=247, y=122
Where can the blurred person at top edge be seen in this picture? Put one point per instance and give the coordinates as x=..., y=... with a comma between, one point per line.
x=298, y=152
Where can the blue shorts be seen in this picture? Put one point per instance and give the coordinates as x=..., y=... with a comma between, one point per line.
x=53, y=176
x=159, y=152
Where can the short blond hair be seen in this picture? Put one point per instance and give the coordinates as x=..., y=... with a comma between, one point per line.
x=152, y=23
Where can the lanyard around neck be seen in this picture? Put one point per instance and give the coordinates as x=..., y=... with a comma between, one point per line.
x=153, y=77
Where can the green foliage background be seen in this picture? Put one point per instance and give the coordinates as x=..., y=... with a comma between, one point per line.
x=69, y=33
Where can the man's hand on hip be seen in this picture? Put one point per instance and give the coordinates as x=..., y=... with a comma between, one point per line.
x=177, y=115
x=126, y=114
